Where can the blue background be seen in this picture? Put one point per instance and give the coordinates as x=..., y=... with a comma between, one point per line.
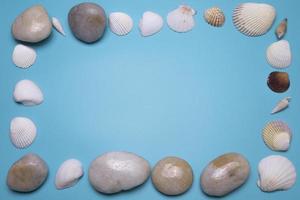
x=195, y=95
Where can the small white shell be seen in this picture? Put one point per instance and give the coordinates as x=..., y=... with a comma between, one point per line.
x=277, y=136
x=281, y=105
x=120, y=23
x=276, y=173
x=279, y=54
x=28, y=93
x=22, y=132
x=23, y=56
x=68, y=174
x=254, y=19
x=150, y=23
x=57, y=25
x=181, y=19
x=214, y=16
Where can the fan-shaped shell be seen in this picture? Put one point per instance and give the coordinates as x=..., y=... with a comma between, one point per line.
x=57, y=25
x=22, y=132
x=254, y=19
x=23, y=56
x=279, y=54
x=120, y=23
x=276, y=173
x=150, y=23
x=214, y=16
x=28, y=93
x=281, y=105
x=181, y=19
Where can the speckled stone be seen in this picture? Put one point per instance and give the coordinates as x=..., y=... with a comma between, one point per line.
x=172, y=176
x=27, y=174
x=114, y=172
x=225, y=174
x=87, y=22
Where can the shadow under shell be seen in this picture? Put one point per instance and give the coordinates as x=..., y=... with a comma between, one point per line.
x=279, y=81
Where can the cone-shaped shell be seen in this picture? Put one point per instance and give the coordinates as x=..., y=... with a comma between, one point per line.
x=120, y=23
x=181, y=19
x=28, y=93
x=150, y=23
x=279, y=54
x=23, y=56
x=281, y=105
x=214, y=16
x=281, y=29
x=57, y=25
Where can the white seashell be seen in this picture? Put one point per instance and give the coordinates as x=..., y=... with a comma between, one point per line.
x=28, y=93
x=150, y=23
x=181, y=19
x=254, y=19
x=120, y=23
x=68, y=174
x=277, y=136
x=279, y=54
x=214, y=16
x=276, y=173
x=23, y=56
x=57, y=25
x=22, y=132
x=281, y=105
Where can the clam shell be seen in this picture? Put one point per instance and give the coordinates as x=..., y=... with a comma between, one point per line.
x=181, y=19
x=281, y=29
x=28, y=93
x=120, y=23
x=150, y=23
x=57, y=25
x=281, y=105
x=254, y=19
x=22, y=132
x=214, y=16
x=276, y=173
x=279, y=54
x=278, y=81
x=23, y=56
x=277, y=136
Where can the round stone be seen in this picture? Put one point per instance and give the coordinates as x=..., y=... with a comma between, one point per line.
x=87, y=22
x=114, y=172
x=27, y=174
x=172, y=176
x=279, y=82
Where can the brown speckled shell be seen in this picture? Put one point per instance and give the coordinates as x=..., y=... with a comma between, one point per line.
x=214, y=16
x=279, y=81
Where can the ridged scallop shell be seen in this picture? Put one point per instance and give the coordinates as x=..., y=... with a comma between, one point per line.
x=277, y=136
x=57, y=25
x=276, y=173
x=120, y=23
x=68, y=174
x=22, y=132
x=28, y=93
x=281, y=105
x=181, y=19
x=281, y=29
x=214, y=16
x=254, y=19
x=23, y=56
x=279, y=54
x=150, y=23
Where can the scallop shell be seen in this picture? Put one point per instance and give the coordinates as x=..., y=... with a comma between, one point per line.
x=214, y=16
x=23, y=56
x=150, y=23
x=279, y=54
x=22, y=132
x=181, y=19
x=57, y=25
x=281, y=29
x=68, y=174
x=281, y=105
x=276, y=173
x=28, y=93
x=277, y=136
x=254, y=19
x=120, y=23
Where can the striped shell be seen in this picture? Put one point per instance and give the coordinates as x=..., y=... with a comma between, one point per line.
x=23, y=56
x=120, y=23
x=279, y=54
x=214, y=16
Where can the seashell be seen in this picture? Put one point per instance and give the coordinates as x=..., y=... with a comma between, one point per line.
x=23, y=56
x=276, y=173
x=277, y=136
x=279, y=81
x=281, y=105
x=150, y=23
x=28, y=93
x=281, y=29
x=68, y=174
x=22, y=132
x=254, y=19
x=279, y=54
x=181, y=19
x=120, y=23
x=57, y=25
x=214, y=16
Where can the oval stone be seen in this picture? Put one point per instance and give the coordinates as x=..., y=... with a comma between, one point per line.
x=114, y=172
x=224, y=174
x=27, y=174
x=172, y=176
x=33, y=25
x=87, y=22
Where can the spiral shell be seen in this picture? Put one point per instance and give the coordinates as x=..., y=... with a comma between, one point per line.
x=214, y=16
